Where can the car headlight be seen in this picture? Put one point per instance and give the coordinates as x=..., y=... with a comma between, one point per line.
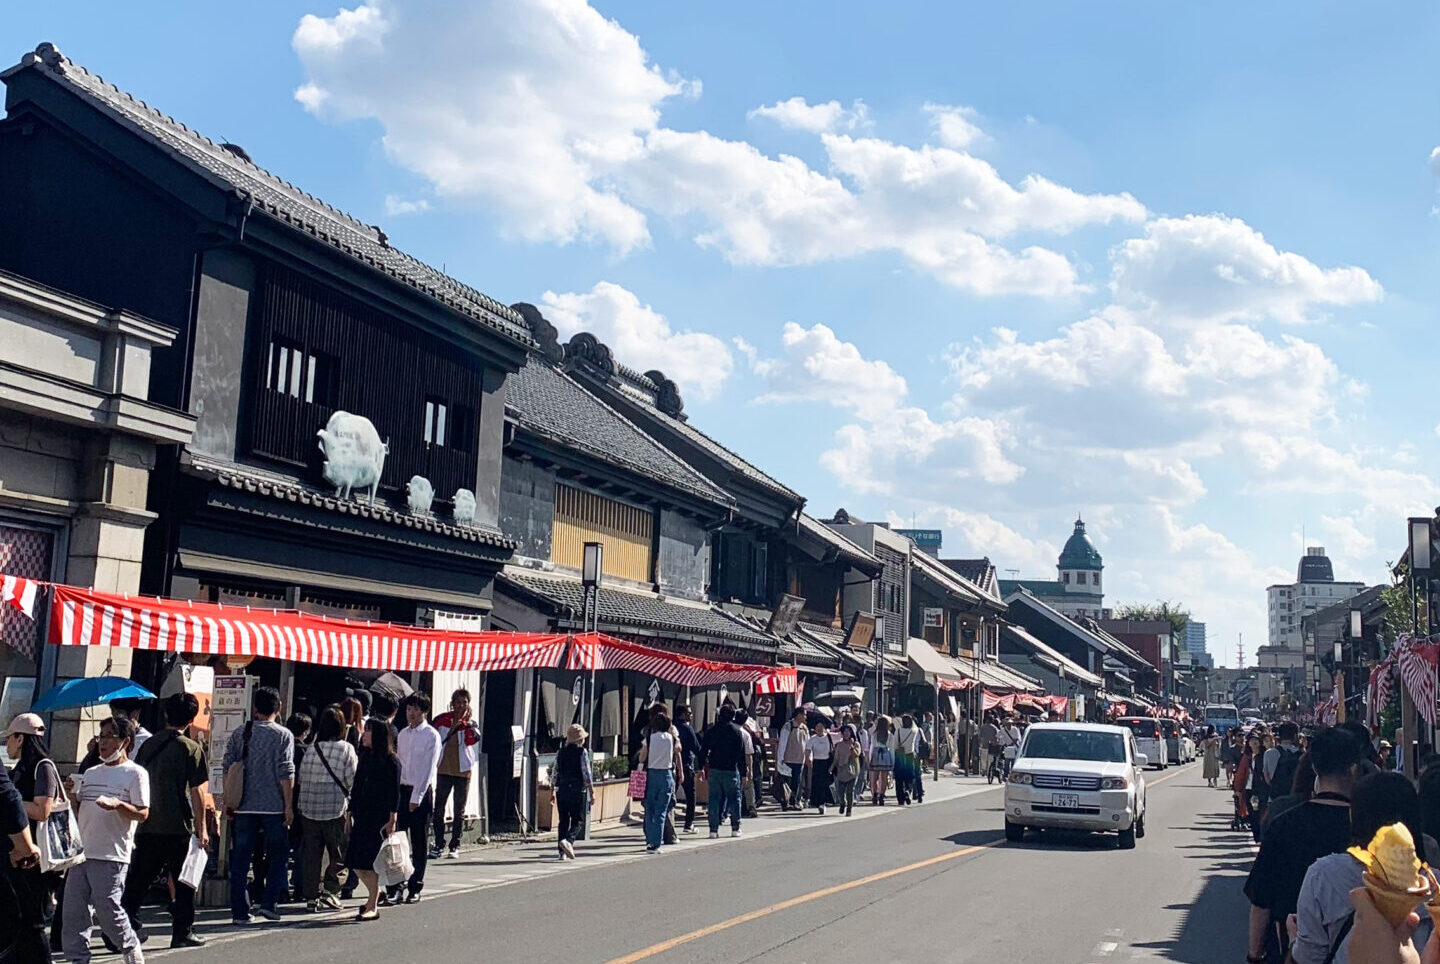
x=1114, y=783
x=1018, y=776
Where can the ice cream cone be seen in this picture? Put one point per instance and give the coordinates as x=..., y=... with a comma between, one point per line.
x=1395, y=905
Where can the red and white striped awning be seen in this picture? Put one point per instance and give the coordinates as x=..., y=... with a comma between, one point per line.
x=600, y=652
x=83, y=617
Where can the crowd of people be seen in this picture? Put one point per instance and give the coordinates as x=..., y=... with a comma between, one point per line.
x=311, y=803
x=1306, y=798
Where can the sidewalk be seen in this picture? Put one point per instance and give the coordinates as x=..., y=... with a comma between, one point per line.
x=501, y=864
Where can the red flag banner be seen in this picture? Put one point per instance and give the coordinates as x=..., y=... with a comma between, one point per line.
x=83, y=617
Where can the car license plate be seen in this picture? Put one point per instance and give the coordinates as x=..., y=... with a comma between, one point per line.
x=1065, y=801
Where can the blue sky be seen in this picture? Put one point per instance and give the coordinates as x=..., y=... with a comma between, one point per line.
x=1170, y=268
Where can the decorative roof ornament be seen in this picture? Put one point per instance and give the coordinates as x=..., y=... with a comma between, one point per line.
x=464, y=502
x=354, y=454
x=543, y=332
x=667, y=395
x=587, y=349
x=420, y=495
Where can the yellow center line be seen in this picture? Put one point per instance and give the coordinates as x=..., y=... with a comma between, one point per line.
x=724, y=925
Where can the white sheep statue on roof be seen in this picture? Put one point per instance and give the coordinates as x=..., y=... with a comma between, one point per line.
x=354, y=454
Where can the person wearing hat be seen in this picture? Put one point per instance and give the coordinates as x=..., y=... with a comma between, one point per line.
x=573, y=794
x=25, y=926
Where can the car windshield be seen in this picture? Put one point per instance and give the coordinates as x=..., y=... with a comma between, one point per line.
x=1074, y=745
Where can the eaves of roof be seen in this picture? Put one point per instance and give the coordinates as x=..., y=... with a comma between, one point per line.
x=257, y=482
x=279, y=199
x=846, y=549
x=622, y=610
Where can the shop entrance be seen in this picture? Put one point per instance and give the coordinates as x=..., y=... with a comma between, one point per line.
x=503, y=785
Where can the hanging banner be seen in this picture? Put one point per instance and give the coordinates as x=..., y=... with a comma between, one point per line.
x=83, y=617
x=1418, y=659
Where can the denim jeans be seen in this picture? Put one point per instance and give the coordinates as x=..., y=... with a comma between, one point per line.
x=249, y=828
x=796, y=781
x=724, y=798
x=659, y=797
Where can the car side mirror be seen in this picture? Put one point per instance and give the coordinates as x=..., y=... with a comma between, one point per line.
x=1141, y=760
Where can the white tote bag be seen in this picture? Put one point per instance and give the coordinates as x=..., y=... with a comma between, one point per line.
x=59, y=844
x=394, y=864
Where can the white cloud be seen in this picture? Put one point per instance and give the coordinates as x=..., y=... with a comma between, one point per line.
x=1435, y=161
x=398, y=206
x=548, y=115
x=641, y=337
x=956, y=127
x=796, y=114
x=890, y=441
x=521, y=107
x=1211, y=268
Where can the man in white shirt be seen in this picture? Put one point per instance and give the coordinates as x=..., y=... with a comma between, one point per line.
x=111, y=797
x=419, y=749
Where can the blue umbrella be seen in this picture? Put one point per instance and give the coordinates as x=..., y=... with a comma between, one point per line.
x=88, y=692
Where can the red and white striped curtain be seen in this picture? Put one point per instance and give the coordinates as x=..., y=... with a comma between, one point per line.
x=1378, y=690
x=595, y=651
x=83, y=617
x=1418, y=658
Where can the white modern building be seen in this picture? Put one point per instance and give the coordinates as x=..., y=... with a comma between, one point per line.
x=1314, y=588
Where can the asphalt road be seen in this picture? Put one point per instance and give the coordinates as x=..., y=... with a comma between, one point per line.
x=933, y=884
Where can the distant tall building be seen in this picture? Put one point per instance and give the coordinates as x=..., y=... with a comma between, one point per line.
x=1077, y=592
x=1197, y=645
x=1314, y=588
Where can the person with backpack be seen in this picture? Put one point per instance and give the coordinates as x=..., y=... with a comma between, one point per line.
x=1282, y=760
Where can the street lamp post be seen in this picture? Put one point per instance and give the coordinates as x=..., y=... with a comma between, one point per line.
x=592, y=573
x=879, y=665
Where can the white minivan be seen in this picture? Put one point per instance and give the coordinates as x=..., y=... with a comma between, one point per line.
x=1077, y=776
x=1149, y=739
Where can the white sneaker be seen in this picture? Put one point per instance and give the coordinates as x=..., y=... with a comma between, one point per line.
x=453, y=853
x=133, y=956
x=569, y=849
x=715, y=836
x=735, y=832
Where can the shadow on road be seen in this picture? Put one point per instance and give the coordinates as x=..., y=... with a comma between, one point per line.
x=1208, y=930
x=973, y=838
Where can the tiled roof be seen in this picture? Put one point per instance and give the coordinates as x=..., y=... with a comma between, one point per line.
x=972, y=569
x=553, y=405
x=643, y=390
x=259, y=482
x=284, y=201
x=949, y=579
x=622, y=609
x=1048, y=654
x=847, y=549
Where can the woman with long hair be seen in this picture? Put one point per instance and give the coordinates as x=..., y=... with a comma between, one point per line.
x=374, y=803
x=661, y=757
x=1321, y=928
x=1210, y=748
x=38, y=781
x=1250, y=783
x=882, y=760
x=354, y=715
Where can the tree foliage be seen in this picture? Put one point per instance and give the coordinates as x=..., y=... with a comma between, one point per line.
x=1176, y=615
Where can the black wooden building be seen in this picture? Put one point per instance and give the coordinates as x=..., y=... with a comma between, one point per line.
x=288, y=311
